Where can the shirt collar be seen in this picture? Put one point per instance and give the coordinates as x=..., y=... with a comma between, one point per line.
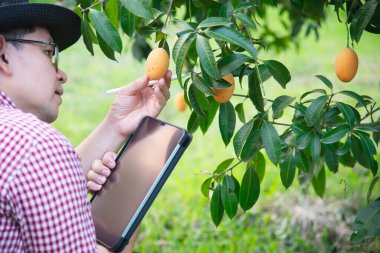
x=6, y=101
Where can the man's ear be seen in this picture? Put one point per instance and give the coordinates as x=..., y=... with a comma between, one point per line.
x=4, y=64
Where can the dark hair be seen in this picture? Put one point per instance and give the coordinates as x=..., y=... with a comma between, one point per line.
x=17, y=33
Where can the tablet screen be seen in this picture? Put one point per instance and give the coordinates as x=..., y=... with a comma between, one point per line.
x=139, y=166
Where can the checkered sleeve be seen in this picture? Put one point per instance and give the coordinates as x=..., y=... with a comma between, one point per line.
x=49, y=199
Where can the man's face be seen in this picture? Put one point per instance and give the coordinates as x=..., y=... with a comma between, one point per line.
x=34, y=84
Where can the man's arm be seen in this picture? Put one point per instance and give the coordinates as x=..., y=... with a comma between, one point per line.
x=131, y=104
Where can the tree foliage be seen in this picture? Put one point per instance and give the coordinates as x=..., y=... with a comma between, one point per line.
x=215, y=38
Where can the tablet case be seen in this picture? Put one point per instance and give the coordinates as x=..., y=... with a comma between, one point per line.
x=141, y=211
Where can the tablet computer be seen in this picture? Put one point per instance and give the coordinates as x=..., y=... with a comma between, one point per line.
x=142, y=167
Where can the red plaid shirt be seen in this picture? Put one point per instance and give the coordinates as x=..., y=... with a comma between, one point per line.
x=43, y=194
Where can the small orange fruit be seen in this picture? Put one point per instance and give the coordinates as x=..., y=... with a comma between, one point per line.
x=346, y=64
x=179, y=102
x=224, y=95
x=157, y=63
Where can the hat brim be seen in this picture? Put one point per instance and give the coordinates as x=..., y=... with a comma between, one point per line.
x=62, y=23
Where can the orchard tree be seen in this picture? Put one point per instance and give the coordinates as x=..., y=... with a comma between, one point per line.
x=220, y=41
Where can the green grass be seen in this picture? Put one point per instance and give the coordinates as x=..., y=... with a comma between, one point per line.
x=179, y=219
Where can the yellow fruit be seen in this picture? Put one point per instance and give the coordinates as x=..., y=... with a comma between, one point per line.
x=157, y=63
x=224, y=95
x=346, y=64
x=179, y=102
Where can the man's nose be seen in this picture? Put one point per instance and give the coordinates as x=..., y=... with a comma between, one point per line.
x=61, y=76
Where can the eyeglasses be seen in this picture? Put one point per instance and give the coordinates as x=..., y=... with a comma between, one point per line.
x=53, y=55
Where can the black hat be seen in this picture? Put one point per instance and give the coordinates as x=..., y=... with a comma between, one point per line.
x=62, y=23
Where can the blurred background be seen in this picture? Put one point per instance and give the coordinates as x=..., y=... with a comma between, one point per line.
x=282, y=220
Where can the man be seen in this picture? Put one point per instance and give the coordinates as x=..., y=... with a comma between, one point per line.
x=43, y=194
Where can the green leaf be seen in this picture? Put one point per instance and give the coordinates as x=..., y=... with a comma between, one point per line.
x=322, y=91
x=313, y=112
x=180, y=50
x=362, y=18
x=326, y=81
x=214, y=21
x=239, y=108
x=205, y=123
x=252, y=145
x=127, y=21
x=177, y=26
x=334, y=135
x=331, y=159
x=345, y=148
x=299, y=128
x=245, y=5
x=85, y=27
x=264, y=72
x=357, y=150
x=272, y=142
x=202, y=85
x=371, y=187
x=206, y=57
x=368, y=127
x=227, y=121
x=195, y=101
x=106, y=30
x=279, y=104
x=367, y=223
x=288, y=170
x=347, y=112
x=301, y=160
x=319, y=182
x=245, y=19
x=112, y=12
x=192, y=123
x=237, y=186
x=279, y=72
x=250, y=188
x=138, y=8
x=347, y=160
x=205, y=188
x=241, y=137
x=216, y=206
x=231, y=62
x=258, y=162
x=255, y=93
x=370, y=150
x=353, y=95
x=303, y=140
x=234, y=37
x=109, y=52
x=368, y=144
x=223, y=166
x=229, y=198
x=315, y=146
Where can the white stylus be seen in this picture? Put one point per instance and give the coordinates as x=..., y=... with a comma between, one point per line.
x=151, y=83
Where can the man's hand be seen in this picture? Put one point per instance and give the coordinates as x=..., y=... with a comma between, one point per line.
x=100, y=170
x=137, y=100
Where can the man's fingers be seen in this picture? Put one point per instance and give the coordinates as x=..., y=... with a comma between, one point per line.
x=99, y=168
x=135, y=86
x=93, y=186
x=95, y=177
x=109, y=160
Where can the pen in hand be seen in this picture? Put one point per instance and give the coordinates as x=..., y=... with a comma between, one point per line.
x=150, y=84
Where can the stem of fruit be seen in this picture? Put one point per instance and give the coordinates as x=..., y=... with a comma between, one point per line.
x=168, y=12
x=280, y=124
x=92, y=6
x=229, y=169
x=370, y=114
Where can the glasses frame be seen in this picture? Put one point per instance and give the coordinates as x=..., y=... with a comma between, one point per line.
x=55, y=45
